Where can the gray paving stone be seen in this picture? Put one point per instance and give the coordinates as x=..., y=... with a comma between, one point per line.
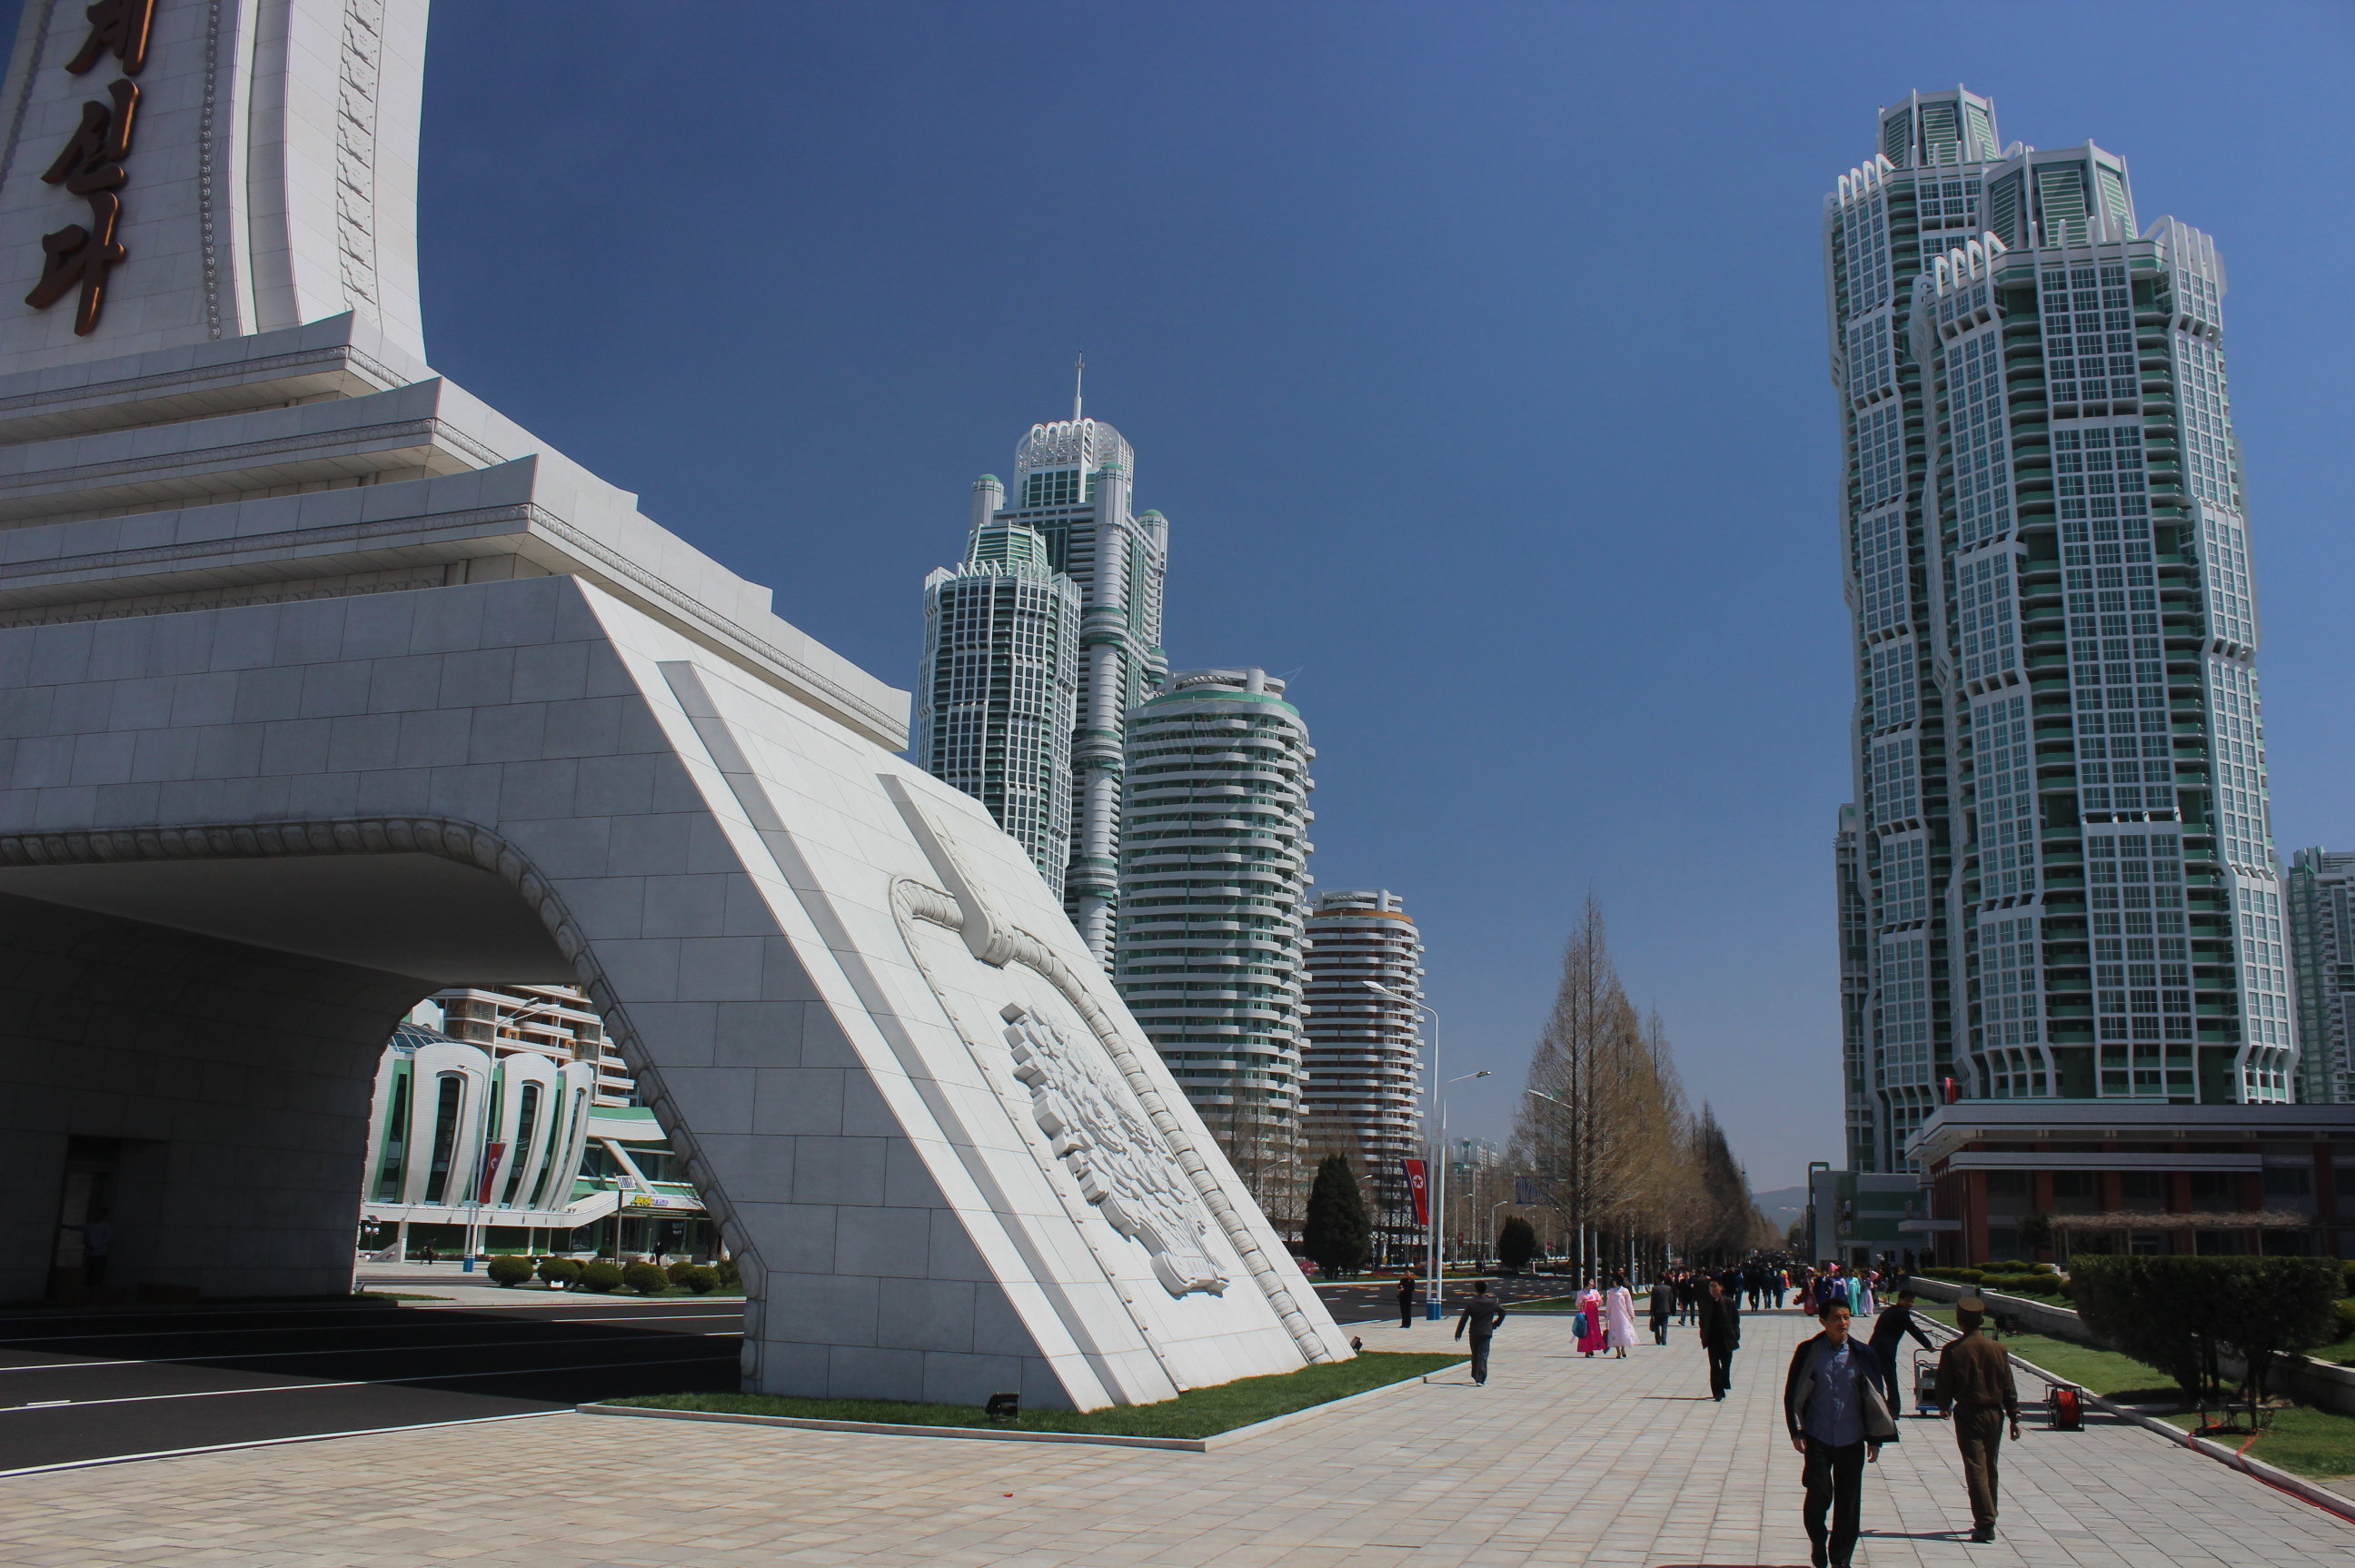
x=1559, y=1461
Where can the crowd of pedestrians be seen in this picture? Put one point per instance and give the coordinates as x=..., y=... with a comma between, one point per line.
x=1841, y=1394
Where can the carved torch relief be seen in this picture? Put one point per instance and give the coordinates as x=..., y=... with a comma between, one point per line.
x=1121, y=1164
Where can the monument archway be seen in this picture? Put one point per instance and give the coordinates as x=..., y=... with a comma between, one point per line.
x=323, y=686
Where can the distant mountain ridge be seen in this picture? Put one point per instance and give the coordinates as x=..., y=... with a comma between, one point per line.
x=1781, y=1206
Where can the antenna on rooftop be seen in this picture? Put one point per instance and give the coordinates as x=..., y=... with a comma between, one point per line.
x=1079, y=378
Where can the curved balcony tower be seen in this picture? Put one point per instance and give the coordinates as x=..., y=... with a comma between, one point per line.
x=1214, y=880
x=1364, y=1052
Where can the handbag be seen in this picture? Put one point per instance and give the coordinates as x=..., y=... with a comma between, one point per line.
x=1578, y=1324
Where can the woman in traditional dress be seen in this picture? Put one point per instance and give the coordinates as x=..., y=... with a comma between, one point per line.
x=1619, y=1308
x=1590, y=1302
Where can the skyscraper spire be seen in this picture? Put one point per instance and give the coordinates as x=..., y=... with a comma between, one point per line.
x=1079, y=378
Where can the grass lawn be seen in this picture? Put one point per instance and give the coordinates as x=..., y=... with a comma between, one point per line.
x=2305, y=1442
x=2105, y=1372
x=1198, y=1412
x=2343, y=1352
x=2316, y=1443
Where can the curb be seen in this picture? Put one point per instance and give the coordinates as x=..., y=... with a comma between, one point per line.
x=1006, y=1434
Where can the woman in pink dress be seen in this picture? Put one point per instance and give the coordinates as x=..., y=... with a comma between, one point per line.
x=1590, y=1302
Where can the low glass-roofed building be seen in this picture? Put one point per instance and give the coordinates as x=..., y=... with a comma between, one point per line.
x=475, y=1149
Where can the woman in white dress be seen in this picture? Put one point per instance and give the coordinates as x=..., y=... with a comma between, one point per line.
x=1619, y=1308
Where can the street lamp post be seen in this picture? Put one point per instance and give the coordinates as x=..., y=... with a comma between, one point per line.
x=1432, y=1310
x=1582, y=1219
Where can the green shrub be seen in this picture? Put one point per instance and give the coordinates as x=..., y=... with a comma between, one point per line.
x=730, y=1275
x=678, y=1270
x=647, y=1279
x=1954, y=1276
x=601, y=1276
x=558, y=1272
x=2173, y=1314
x=2345, y=1308
x=509, y=1271
x=696, y=1278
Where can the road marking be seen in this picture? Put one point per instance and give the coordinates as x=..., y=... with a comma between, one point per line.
x=362, y=1382
x=347, y=1327
x=341, y=1350
x=275, y=1442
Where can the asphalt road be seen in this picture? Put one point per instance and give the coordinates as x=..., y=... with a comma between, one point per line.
x=1376, y=1300
x=100, y=1387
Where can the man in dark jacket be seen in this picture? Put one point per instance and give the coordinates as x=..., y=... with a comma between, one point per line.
x=1837, y=1416
x=1720, y=1336
x=1974, y=1380
x=1481, y=1315
x=1406, y=1292
x=1890, y=1328
x=1664, y=1301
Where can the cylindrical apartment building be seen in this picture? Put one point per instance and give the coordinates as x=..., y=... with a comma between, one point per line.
x=999, y=691
x=1213, y=855
x=1363, y=1059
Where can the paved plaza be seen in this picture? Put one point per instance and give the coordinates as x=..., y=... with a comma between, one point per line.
x=1559, y=1461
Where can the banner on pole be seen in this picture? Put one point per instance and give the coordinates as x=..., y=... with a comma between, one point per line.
x=1418, y=1185
x=1529, y=1189
x=492, y=1155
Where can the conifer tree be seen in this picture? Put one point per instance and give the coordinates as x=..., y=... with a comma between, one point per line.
x=1337, y=1232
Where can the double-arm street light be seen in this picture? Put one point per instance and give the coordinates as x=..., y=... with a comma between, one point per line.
x=1434, y=1308
x=1581, y=1221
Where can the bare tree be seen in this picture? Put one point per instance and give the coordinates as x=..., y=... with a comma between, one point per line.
x=1628, y=1175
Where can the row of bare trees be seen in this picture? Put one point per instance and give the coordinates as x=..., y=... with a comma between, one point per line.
x=1626, y=1173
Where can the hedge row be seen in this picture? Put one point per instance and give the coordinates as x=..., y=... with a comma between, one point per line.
x=2174, y=1313
x=604, y=1277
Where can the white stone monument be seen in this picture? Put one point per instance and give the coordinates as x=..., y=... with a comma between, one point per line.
x=321, y=685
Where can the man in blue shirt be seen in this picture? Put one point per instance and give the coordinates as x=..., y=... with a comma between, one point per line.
x=1839, y=1418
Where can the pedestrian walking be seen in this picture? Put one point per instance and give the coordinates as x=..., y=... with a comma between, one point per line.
x=1778, y=1282
x=97, y=1246
x=1481, y=1315
x=1593, y=1335
x=1720, y=1336
x=1974, y=1380
x=1838, y=1418
x=1888, y=1330
x=1619, y=1308
x=1408, y=1286
x=1664, y=1301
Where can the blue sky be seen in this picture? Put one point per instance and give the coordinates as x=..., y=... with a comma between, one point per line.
x=1476, y=352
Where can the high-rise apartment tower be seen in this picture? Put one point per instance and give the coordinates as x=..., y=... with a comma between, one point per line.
x=2319, y=893
x=998, y=697
x=1214, y=877
x=1073, y=483
x=2064, y=852
x=1363, y=1062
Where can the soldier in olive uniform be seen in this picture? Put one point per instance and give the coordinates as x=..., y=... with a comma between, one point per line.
x=1974, y=1382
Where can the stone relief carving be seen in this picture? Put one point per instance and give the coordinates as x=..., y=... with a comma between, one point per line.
x=355, y=151
x=1121, y=1164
